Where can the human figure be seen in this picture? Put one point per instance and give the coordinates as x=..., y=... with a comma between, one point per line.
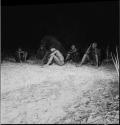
x=72, y=54
x=21, y=55
x=25, y=55
x=92, y=54
x=55, y=56
x=41, y=52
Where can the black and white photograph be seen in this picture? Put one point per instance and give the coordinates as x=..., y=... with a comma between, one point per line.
x=59, y=62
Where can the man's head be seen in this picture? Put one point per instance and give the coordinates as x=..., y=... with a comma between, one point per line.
x=41, y=47
x=52, y=49
x=94, y=45
x=73, y=47
x=19, y=49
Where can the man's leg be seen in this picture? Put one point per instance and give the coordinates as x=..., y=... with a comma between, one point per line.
x=85, y=57
x=25, y=56
x=97, y=60
x=20, y=58
x=50, y=60
x=58, y=61
x=67, y=58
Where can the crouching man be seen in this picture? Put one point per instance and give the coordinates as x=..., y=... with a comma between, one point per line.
x=72, y=54
x=21, y=55
x=55, y=57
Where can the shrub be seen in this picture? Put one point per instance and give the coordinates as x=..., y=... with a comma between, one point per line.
x=115, y=59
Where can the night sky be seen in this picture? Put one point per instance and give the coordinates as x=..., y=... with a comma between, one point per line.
x=25, y=24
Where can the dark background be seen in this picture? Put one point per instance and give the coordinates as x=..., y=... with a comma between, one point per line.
x=25, y=23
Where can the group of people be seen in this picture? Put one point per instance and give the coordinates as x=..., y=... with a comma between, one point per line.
x=92, y=55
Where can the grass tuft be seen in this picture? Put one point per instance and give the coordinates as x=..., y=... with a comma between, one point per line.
x=115, y=59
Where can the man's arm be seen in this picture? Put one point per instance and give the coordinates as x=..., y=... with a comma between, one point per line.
x=54, y=52
x=20, y=52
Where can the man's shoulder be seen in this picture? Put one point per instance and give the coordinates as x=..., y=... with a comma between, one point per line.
x=57, y=51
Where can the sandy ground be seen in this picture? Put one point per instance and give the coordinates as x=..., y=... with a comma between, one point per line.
x=34, y=94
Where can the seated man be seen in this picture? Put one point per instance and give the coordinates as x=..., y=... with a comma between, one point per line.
x=92, y=55
x=56, y=56
x=72, y=54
